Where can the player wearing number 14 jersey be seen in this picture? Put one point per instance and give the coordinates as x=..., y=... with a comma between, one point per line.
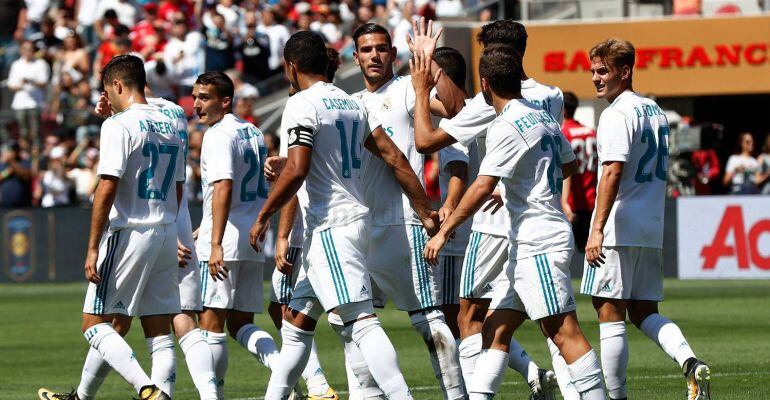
x=232, y=156
x=624, y=258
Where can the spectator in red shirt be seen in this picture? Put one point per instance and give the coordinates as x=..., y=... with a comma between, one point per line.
x=168, y=8
x=146, y=37
x=579, y=191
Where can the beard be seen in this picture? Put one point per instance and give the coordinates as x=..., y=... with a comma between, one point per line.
x=487, y=97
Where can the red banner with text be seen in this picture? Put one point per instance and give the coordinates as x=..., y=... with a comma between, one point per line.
x=723, y=237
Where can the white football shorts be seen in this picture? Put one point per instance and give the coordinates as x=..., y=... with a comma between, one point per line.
x=628, y=273
x=138, y=267
x=484, y=264
x=241, y=290
x=398, y=267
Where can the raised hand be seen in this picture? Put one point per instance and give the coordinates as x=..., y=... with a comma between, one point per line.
x=423, y=79
x=424, y=41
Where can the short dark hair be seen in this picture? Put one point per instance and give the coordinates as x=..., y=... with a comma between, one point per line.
x=126, y=68
x=223, y=85
x=307, y=50
x=370, y=28
x=500, y=66
x=334, y=63
x=504, y=31
x=452, y=63
x=570, y=104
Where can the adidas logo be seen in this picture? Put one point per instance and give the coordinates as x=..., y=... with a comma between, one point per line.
x=523, y=354
x=171, y=379
x=217, y=298
x=606, y=288
x=119, y=304
x=364, y=290
x=487, y=288
x=570, y=301
x=133, y=356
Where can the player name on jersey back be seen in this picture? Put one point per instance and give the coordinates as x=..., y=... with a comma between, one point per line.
x=333, y=124
x=526, y=149
x=471, y=124
x=141, y=146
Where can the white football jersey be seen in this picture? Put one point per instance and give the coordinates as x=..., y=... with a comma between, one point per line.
x=176, y=114
x=634, y=131
x=334, y=124
x=470, y=125
x=393, y=105
x=233, y=149
x=470, y=156
x=549, y=98
x=526, y=149
x=141, y=146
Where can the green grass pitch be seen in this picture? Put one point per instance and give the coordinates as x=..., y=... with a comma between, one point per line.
x=726, y=322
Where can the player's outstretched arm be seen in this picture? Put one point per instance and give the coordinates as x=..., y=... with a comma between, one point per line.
x=426, y=138
x=290, y=180
x=380, y=145
x=474, y=197
x=605, y=198
x=104, y=197
x=285, y=223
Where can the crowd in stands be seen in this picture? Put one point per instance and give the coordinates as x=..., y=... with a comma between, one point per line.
x=52, y=52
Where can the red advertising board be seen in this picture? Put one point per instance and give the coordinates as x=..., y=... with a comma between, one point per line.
x=723, y=237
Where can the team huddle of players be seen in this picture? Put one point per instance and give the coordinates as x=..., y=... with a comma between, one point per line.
x=356, y=228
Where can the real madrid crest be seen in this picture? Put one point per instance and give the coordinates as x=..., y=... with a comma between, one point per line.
x=385, y=104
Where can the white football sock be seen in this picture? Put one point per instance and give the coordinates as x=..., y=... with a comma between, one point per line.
x=563, y=378
x=288, y=367
x=259, y=343
x=354, y=388
x=519, y=360
x=95, y=370
x=614, y=355
x=200, y=363
x=218, y=346
x=443, y=351
x=313, y=374
x=380, y=356
x=668, y=336
x=488, y=374
x=587, y=377
x=361, y=383
x=469, y=349
x=118, y=354
x=161, y=350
